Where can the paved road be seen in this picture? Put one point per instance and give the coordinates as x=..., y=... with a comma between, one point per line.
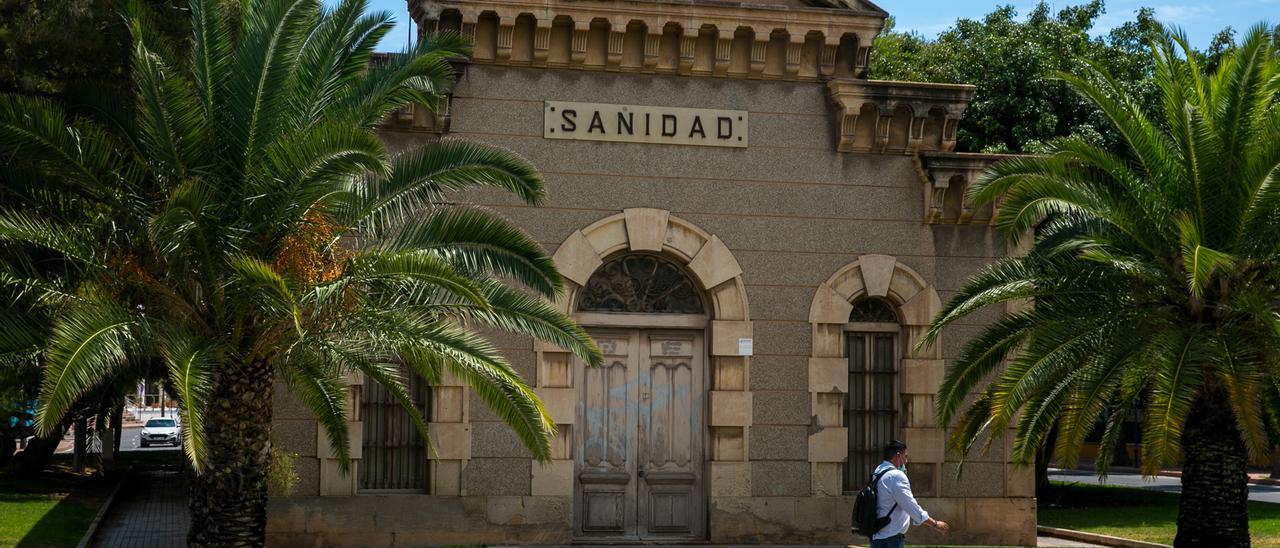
x=1259, y=493
x=128, y=442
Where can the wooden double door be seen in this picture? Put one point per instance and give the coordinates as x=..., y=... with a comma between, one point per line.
x=639, y=441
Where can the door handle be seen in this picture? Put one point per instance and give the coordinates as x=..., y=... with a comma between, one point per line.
x=640, y=472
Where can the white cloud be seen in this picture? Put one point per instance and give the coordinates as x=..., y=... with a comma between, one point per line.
x=1183, y=15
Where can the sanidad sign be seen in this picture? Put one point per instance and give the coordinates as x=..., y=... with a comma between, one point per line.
x=644, y=124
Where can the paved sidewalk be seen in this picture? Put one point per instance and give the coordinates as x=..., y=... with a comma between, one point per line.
x=149, y=512
x=1050, y=541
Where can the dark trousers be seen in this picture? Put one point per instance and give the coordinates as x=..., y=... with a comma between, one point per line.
x=896, y=541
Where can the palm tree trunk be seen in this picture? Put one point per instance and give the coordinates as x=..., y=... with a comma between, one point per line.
x=1275, y=462
x=8, y=444
x=1213, y=509
x=78, y=445
x=31, y=462
x=229, y=499
x=1044, y=489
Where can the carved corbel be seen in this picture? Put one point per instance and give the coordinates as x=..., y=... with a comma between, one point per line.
x=541, y=41
x=937, y=198
x=827, y=60
x=950, y=128
x=862, y=55
x=883, y=124
x=724, y=49
x=759, y=50
x=506, y=32
x=468, y=29
x=795, y=45
x=578, y=43
x=860, y=62
x=940, y=178
x=614, y=48
x=652, y=46
x=688, y=49
x=848, y=128
x=915, y=135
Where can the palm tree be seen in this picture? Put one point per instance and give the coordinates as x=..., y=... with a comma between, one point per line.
x=1154, y=276
x=236, y=219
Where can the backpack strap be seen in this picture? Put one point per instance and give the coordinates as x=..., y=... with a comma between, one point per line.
x=875, y=484
x=875, y=480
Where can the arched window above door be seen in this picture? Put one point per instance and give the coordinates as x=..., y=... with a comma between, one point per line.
x=641, y=283
x=871, y=310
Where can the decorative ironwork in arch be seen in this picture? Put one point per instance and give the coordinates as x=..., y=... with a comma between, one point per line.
x=872, y=311
x=641, y=283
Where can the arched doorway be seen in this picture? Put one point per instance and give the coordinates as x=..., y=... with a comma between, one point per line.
x=639, y=465
x=664, y=415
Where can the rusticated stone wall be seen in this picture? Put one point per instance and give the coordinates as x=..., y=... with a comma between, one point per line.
x=804, y=226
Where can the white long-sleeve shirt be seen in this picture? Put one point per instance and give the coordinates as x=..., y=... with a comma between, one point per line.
x=895, y=488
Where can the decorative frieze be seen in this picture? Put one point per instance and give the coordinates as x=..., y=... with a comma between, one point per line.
x=898, y=117
x=947, y=179
x=704, y=37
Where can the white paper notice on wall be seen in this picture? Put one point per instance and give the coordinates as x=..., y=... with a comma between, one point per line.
x=744, y=346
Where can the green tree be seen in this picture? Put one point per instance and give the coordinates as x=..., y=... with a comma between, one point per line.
x=49, y=46
x=1153, y=274
x=237, y=220
x=1019, y=105
x=58, y=48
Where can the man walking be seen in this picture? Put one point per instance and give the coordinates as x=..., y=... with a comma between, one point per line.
x=894, y=499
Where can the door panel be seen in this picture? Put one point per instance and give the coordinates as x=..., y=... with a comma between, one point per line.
x=639, y=465
x=604, y=491
x=670, y=441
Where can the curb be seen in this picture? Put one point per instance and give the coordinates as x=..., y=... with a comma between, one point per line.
x=1177, y=474
x=1094, y=538
x=1250, y=481
x=102, y=511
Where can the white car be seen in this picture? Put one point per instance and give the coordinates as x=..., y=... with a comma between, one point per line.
x=160, y=432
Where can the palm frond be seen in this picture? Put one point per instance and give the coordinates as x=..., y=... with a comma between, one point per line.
x=420, y=178
x=477, y=241
x=39, y=133
x=89, y=342
x=324, y=392
x=190, y=363
x=1174, y=390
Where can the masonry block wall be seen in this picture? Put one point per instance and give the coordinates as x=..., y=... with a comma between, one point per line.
x=808, y=227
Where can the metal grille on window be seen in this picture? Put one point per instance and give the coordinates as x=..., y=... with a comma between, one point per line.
x=646, y=284
x=871, y=410
x=872, y=310
x=395, y=453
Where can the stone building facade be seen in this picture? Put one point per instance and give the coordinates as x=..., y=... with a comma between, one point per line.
x=755, y=234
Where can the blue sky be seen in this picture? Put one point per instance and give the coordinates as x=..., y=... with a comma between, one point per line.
x=1201, y=19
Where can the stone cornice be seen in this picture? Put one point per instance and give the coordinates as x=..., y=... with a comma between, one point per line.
x=725, y=39
x=898, y=117
x=947, y=176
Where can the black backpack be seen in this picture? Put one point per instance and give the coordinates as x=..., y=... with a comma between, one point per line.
x=866, y=521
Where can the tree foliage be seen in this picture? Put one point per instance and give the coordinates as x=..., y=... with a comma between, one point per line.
x=50, y=46
x=235, y=220
x=1012, y=60
x=1154, y=274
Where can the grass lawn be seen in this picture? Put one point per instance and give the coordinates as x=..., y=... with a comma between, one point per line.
x=1138, y=514
x=52, y=511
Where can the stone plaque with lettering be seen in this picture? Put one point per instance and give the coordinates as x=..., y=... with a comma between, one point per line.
x=645, y=124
